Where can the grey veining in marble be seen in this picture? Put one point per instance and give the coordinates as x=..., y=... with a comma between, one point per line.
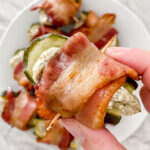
x=140, y=140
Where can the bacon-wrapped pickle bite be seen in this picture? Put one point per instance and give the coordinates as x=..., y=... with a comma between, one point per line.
x=75, y=74
x=19, y=109
x=98, y=30
x=58, y=12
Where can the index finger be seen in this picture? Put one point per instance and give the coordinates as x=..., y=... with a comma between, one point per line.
x=137, y=59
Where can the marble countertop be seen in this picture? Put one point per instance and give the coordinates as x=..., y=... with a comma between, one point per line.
x=140, y=140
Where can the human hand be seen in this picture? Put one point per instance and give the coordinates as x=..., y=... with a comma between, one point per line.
x=102, y=139
x=139, y=60
x=92, y=139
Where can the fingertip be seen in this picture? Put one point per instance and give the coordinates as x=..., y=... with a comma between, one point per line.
x=74, y=128
x=117, y=53
x=111, y=50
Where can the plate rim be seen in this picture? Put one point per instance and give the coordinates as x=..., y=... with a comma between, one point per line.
x=114, y=1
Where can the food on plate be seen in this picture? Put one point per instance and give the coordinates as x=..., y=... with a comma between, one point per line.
x=81, y=21
x=98, y=30
x=57, y=12
x=62, y=87
x=16, y=64
x=34, y=51
x=36, y=30
x=66, y=74
x=19, y=108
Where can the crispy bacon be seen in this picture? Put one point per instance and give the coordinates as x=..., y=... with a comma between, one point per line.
x=25, y=107
x=94, y=111
x=58, y=135
x=43, y=112
x=45, y=30
x=20, y=77
x=19, y=110
x=101, y=32
x=106, y=38
x=73, y=76
x=9, y=108
x=59, y=12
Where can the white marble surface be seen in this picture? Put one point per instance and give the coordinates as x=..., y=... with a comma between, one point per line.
x=140, y=140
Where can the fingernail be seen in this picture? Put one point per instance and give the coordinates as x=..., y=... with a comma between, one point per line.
x=117, y=49
x=74, y=128
x=112, y=50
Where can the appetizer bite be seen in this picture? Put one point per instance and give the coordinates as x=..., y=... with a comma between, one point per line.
x=98, y=30
x=57, y=12
x=19, y=108
x=72, y=76
x=65, y=75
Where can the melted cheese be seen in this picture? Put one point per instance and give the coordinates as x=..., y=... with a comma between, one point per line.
x=42, y=61
x=123, y=100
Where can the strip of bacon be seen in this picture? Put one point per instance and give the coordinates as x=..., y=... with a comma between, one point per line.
x=9, y=108
x=25, y=107
x=106, y=38
x=20, y=77
x=94, y=111
x=19, y=110
x=58, y=135
x=101, y=32
x=74, y=75
x=45, y=30
x=102, y=27
x=60, y=12
x=43, y=112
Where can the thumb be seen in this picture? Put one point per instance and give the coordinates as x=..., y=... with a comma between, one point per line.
x=92, y=139
x=137, y=59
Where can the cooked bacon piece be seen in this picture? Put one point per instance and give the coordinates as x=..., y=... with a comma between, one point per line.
x=101, y=32
x=43, y=112
x=45, y=30
x=19, y=110
x=92, y=19
x=20, y=77
x=94, y=111
x=9, y=108
x=60, y=12
x=106, y=38
x=25, y=107
x=102, y=27
x=74, y=75
x=58, y=135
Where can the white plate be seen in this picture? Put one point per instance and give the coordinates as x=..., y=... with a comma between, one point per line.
x=132, y=33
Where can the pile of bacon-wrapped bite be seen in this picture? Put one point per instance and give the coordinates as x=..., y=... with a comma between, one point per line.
x=65, y=75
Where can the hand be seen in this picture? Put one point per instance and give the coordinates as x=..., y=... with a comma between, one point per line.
x=139, y=60
x=92, y=139
x=102, y=139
